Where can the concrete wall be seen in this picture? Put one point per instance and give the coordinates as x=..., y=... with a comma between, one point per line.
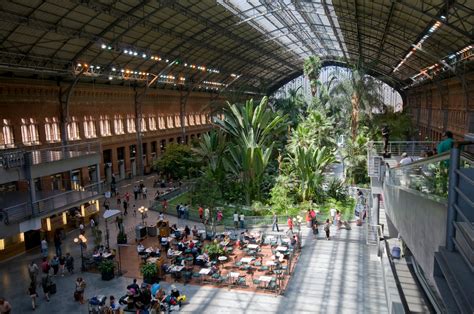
x=420, y=221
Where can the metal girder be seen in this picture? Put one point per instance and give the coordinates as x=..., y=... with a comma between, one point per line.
x=386, y=28
x=225, y=32
x=111, y=25
x=359, y=39
x=305, y=16
x=333, y=26
x=15, y=61
x=163, y=30
x=444, y=10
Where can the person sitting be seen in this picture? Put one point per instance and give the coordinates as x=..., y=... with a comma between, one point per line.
x=181, y=246
x=187, y=232
x=170, y=252
x=195, y=231
x=114, y=306
x=140, y=248
x=161, y=217
x=164, y=243
x=191, y=245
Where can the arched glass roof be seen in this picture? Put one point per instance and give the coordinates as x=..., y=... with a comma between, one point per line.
x=251, y=44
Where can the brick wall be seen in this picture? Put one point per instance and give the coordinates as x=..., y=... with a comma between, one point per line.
x=40, y=99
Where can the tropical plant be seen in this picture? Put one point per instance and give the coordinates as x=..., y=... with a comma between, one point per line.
x=214, y=250
x=281, y=197
x=177, y=162
x=293, y=106
x=307, y=166
x=355, y=160
x=149, y=272
x=252, y=131
x=336, y=189
x=211, y=151
x=312, y=68
x=106, y=268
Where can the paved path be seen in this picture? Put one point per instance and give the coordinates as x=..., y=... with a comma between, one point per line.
x=336, y=276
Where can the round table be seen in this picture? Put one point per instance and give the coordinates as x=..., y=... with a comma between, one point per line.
x=222, y=258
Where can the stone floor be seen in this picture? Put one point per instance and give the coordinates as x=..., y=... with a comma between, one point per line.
x=336, y=276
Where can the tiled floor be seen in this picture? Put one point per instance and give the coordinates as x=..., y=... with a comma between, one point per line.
x=336, y=276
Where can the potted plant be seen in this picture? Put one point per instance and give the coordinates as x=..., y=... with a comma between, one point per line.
x=121, y=238
x=150, y=273
x=107, y=268
x=214, y=250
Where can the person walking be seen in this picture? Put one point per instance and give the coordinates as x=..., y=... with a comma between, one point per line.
x=290, y=223
x=62, y=265
x=207, y=215
x=33, y=271
x=69, y=263
x=80, y=289
x=201, y=213
x=44, y=248
x=220, y=216
x=134, y=210
x=178, y=210
x=45, y=266
x=127, y=197
x=242, y=221
x=125, y=207
x=164, y=204
x=33, y=294
x=135, y=192
x=275, y=222
x=338, y=219
x=119, y=201
x=236, y=220
x=92, y=222
x=55, y=264
x=144, y=192
x=57, y=243
x=46, y=285
x=327, y=228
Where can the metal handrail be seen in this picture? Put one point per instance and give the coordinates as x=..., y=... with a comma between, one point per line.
x=424, y=161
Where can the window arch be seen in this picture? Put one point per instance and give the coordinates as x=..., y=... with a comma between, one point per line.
x=51, y=128
x=6, y=136
x=73, y=129
x=105, y=125
x=118, y=124
x=89, y=127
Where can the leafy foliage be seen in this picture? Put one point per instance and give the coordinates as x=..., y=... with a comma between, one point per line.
x=214, y=250
x=252, y=131
x=312, y=68
x=336, y=189
x=177, y=162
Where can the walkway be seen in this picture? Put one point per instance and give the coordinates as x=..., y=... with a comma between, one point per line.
x=336, y=276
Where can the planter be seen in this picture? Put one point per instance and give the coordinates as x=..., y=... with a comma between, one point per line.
x=151, y=280
x=107, y=275
x=121, y=238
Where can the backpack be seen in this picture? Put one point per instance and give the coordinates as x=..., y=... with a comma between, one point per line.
x=326, y=227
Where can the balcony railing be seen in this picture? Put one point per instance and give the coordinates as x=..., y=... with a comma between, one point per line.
x=24, y=211
x=396, y=148
x=15, y=157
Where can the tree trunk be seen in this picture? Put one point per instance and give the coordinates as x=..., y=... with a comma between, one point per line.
x=355, y=114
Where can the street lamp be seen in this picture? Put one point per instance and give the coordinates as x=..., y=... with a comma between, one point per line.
x=82, y=242
x=143, y=211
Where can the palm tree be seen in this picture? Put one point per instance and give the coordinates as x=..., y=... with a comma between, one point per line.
x=307, y=164
x=252, y=131
x=312, y=68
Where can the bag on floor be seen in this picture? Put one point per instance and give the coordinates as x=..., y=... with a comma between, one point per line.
x=396, y=252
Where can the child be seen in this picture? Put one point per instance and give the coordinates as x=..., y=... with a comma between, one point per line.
x=327, y=229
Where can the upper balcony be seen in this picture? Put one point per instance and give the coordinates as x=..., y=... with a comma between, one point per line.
x=18, y=164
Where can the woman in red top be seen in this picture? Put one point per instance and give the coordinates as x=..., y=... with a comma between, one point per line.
x=290, y=223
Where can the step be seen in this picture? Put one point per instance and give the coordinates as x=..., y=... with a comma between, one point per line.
x=459, y=279
x=464, y=243
x=467, y=229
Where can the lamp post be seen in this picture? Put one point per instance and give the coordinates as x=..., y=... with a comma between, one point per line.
x=143, y=211
x=82, y=242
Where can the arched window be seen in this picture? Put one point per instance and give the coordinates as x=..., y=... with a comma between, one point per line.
x=169, y=122
x=152, y=122
x=51, y=128
x=73, y=129
x=177, y=121
x=131, y=123
x=89, y=127
x=6, y=136
x=105, y=126
x=142, y=124
x=118, y=124
x=29, y=131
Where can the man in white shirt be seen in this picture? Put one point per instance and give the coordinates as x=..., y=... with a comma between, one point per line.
x=236, y=220
x=242, y=219
x=405, y=159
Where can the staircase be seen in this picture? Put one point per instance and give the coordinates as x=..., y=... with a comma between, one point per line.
x=454, y=264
